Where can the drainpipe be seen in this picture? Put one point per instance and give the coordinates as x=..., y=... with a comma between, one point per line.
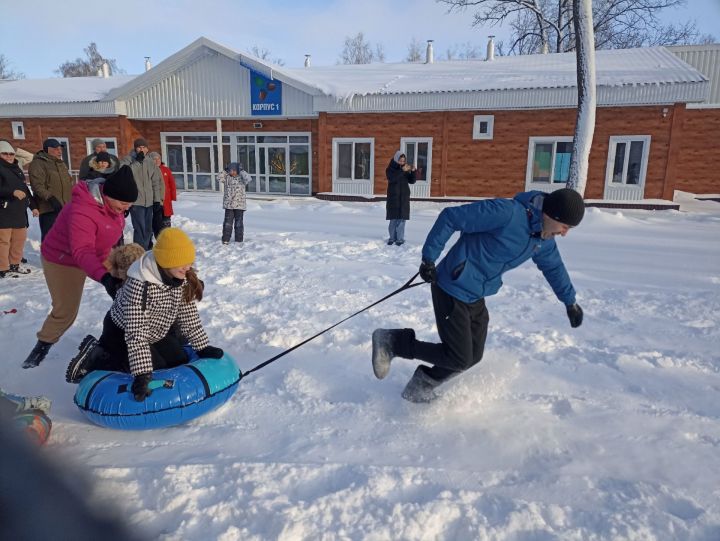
x=218, y=129
x=429, y=54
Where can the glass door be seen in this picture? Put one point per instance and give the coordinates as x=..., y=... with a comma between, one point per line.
x=200, y=164
x=273, y=168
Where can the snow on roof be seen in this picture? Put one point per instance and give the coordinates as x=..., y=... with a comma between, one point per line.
x=60, y=89
x=613, y=68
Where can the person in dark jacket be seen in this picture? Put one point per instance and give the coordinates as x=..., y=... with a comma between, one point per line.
x=51, y=183
x=15, y=198
x=399, y=176
x=101, y=165
x=496, y=235
x=99, y=146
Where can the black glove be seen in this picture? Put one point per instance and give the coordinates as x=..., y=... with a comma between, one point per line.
x=140, y=156
x=575, y=315
x=428, y=272
x=140, y=389
x=111, y=284
x=157, y=205
x=54, y=203
x=210, y=352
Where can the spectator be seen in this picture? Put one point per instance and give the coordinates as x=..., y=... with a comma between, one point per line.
x=399, y=176
x=151, y=192
x=51, y=183
x=162, y=219
x=98, y=146
x=15, y=198
x=77, y=247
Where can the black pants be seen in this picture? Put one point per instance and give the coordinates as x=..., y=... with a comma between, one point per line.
x=166, y=353
x=47, y=220
x=463, y=330
x=236, y=216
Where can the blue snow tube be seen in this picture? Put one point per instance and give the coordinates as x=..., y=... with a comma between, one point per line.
x=179, y=394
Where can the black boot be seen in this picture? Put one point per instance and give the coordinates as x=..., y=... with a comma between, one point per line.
x=421, y=387
x=37, y=355
x=81, y=364
x=389, y=343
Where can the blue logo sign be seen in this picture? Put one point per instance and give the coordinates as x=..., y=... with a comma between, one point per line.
x=265, y=95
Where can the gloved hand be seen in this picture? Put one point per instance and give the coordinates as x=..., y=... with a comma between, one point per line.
x=210, y=352
x=140, y=156
x=157, y=206
x=54, y=203
x=428, y=272
x=575, y=315
x=111, y=284
x=140, y=389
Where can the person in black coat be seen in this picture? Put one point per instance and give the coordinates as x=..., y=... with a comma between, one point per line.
x=15, y=198
x=399, y=176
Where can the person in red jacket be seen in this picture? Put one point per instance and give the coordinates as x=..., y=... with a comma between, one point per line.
x=77, y=246
x=162, y=219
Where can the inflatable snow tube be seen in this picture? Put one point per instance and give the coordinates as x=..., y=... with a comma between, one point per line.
x=179, y=394
x=35, y=423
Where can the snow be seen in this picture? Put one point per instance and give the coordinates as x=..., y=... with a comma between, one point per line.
x=608, y=431
x=654, y=65
x=61, y=89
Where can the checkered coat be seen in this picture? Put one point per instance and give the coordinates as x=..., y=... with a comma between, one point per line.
x=234, y=195
x=146, y=308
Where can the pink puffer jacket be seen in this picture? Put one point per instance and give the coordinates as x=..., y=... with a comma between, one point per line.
x=83, y=234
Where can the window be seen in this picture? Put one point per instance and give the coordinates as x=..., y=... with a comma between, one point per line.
x=418, y=152
x=549, y=160
x=483, y=126
x=353, y=159
x=65, y=149
x=627, y=160
x=18, y=130
x=111, y=143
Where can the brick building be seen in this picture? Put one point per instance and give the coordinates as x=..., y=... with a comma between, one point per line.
x=473, y=128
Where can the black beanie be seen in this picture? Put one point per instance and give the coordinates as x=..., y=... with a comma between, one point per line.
x=121, y=185
x=565, y=206
x=103, y=157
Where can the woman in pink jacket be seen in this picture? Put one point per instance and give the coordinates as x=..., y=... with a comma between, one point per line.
x=77, y=247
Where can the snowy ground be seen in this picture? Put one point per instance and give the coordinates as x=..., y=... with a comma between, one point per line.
x=609, y=431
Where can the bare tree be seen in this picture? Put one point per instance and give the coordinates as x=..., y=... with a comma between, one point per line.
x=587, y=100
x=265, y=54
x=359, y=51
x=6, y=72
x=547, y=25
x=88, y=66
x=415, y=51
x=465, y=51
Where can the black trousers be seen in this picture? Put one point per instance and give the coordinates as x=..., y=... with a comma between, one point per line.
x=166, y=353
x=463, y=330
x=233, y=216
x=47, y=220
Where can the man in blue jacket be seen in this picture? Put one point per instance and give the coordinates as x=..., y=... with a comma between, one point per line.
x=496, y=235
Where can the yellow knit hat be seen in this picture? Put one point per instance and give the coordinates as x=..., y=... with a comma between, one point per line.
x=173, y=248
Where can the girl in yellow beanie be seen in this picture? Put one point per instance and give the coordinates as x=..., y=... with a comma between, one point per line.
x=140, y=330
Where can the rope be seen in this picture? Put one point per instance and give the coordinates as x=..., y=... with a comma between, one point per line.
x=407, y=285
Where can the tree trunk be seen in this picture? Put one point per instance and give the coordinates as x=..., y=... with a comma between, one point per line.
x=585, y=123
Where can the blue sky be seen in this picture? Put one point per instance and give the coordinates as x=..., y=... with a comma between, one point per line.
x=42, y=35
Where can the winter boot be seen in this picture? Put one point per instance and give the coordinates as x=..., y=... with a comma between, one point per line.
x=37, y=355
x=28, y=403
x=421, y=387
x=88, y=353
x=389, y=343
x=17, y=269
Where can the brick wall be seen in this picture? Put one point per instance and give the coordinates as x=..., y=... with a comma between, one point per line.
x=698, y=169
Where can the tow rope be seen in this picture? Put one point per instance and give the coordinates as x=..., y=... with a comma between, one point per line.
x=407, y=285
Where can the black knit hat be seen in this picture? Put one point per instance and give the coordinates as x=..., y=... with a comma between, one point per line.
x=103, y=157
x=565, y=206
x=121, y=185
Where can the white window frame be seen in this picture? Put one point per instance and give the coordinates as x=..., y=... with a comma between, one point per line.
x=18, y=130
x=339, y=140
x=416, y=140
x=543, y=186
x=90, y=150
x=479, y=119
x=65, y=140
x=612, y=149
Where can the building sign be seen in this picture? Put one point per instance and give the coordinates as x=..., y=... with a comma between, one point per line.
x=265, y=95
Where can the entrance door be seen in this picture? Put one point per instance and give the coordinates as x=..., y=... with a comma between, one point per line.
x=200, y=164
x=273, y=168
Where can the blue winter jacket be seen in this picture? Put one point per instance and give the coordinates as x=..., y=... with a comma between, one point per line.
x=496, y=235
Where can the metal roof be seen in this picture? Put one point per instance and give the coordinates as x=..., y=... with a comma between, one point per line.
x=706, y=59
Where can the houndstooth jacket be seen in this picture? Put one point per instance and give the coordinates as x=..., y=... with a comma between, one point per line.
x=146, y=308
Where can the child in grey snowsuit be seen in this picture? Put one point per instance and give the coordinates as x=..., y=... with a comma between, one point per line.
x=235, y=180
